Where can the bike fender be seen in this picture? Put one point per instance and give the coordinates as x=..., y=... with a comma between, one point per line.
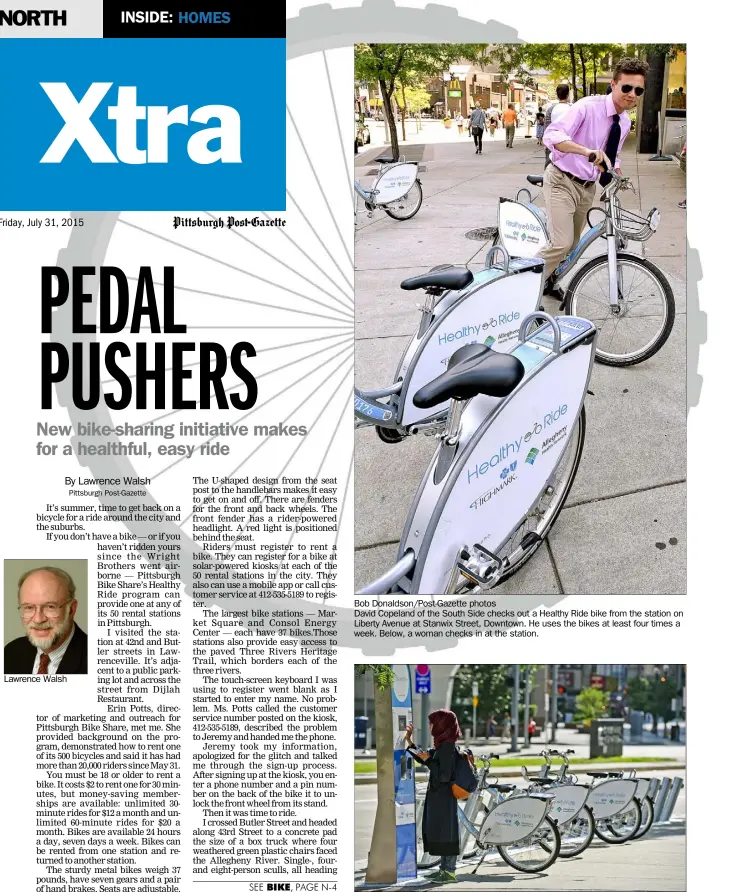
x=512, y=819
x=611, y=797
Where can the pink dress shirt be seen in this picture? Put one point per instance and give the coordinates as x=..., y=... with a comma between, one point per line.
x=588, y=123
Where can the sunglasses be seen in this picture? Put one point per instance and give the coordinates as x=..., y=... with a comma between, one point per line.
x=626, y=88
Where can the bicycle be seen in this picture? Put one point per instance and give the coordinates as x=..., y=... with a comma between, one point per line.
x=396, y=190
x=622, y=293
x=615, y=806
x=505, y=463
x=574, y=817
x=460, y=307
x=517, y=824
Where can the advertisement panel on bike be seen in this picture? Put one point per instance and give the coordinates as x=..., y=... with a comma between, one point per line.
x=522, y=228
x=394, y=181
x=513, y=819
x=611, y=797
x=502, y=471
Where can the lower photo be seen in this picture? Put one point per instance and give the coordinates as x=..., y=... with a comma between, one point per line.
x=554, y=777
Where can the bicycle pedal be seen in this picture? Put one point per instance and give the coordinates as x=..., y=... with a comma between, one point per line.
x=479, y=566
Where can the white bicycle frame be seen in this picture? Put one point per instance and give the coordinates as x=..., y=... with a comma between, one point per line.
x=494, y=461
x=392, y=182
x=487, y=311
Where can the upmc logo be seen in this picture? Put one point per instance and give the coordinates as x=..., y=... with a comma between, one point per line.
x=151, y=124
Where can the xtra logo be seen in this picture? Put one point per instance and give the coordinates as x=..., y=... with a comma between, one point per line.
x=78, y=128
x=141, y=125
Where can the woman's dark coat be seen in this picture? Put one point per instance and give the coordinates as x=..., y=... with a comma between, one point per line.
x=440, y=821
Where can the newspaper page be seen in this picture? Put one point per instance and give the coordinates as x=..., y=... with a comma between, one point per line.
x=213, y=225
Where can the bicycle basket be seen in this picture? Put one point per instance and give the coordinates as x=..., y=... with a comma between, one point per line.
x=633, y=226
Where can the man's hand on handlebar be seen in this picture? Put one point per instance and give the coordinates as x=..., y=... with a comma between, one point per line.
x=599, y=159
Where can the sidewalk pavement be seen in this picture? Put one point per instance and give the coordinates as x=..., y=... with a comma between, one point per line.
x=623, y=528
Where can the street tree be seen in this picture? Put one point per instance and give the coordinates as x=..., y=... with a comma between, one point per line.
x=391, y=64
x=495, y=694
x=663, y=692
x=590, y=704
x=382, y=866
x=639, y=694
x=410, y=101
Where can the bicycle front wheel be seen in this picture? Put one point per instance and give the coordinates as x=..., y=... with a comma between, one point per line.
x=577, y=834
x=622, y=826
x=647, y=817
x=641, y=322
x=536, y=852
x=407, y=206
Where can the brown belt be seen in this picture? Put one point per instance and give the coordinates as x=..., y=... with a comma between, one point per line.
x=576, y=179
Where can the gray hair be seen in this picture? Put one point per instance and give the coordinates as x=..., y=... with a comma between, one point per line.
x=60, y=574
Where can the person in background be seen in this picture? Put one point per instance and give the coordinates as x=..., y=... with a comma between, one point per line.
x=479, y=125
x=506, y=726
x=491, y=725
x=492, y=122
x=440, y=823
x=596, y=127
x=554, y=111
x=509, y=120
x=540, y=118
x=460, y=122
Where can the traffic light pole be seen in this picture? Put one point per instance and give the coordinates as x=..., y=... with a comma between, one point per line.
x=526, y=713
x=554, y=700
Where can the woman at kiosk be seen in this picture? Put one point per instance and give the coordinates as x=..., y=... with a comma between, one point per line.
x=440, y=823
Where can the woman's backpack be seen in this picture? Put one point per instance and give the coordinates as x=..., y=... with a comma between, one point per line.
x=465, y=779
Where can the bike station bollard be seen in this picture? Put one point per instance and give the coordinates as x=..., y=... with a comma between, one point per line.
x=658, y=805
x=670, y=802
x=653, y=786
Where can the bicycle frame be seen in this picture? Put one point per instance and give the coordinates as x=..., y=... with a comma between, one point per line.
x=495, y=461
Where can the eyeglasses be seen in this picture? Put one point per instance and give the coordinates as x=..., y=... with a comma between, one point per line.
x=626, y=88
x=51, y=610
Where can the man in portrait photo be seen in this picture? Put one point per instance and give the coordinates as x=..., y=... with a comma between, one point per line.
x=53, y=643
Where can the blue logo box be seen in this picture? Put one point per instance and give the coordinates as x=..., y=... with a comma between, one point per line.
x=135, y=145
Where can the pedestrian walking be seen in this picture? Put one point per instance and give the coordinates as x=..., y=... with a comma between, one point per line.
x=554, y=111
x=440, y=823
x=509, y=119
x=460, y=122
x=596, y=126
x=492, y=123
x=540, y=118
x=506, y=725
x=478, y=125
x=491, y=725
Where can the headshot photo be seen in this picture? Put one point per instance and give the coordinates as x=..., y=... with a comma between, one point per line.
x=45, y=617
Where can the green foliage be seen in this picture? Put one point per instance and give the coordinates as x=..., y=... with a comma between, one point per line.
x=662, y=694
x=639, y=694
x=382, y=673
x=494, y=694
x=591, y=703
x=413, y=99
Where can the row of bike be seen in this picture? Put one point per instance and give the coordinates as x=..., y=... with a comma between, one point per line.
x=501, y=385
x=553, y=816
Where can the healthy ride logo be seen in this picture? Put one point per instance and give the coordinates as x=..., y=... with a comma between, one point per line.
x=473, y=331
x=513, y=447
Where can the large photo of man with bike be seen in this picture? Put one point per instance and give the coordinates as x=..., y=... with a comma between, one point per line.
x=550, y=304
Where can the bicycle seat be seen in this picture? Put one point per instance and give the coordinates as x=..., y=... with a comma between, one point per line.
x=535, y=179
x=488, y=372
x=543, y=781
x=502, y=788
x=453, y=279
x=385, y=159
x=598, y=774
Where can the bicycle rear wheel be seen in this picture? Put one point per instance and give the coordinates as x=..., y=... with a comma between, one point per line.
x=536, y=852
x=407, y=206
x=621, y=827
x=642, y=321
x=647, y=818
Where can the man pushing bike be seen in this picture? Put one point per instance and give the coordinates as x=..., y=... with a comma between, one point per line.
x=595, y=128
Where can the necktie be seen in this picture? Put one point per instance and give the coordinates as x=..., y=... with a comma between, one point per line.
x=43, y=664
x=611, y=147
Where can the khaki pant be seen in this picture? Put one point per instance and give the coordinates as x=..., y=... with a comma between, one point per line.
x=509, y=133
x=567, y=204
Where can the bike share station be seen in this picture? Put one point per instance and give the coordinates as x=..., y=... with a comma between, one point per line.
x=404, y=765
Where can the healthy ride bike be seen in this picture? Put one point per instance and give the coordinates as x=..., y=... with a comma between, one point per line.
x=626, y=296
x=396, y=190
